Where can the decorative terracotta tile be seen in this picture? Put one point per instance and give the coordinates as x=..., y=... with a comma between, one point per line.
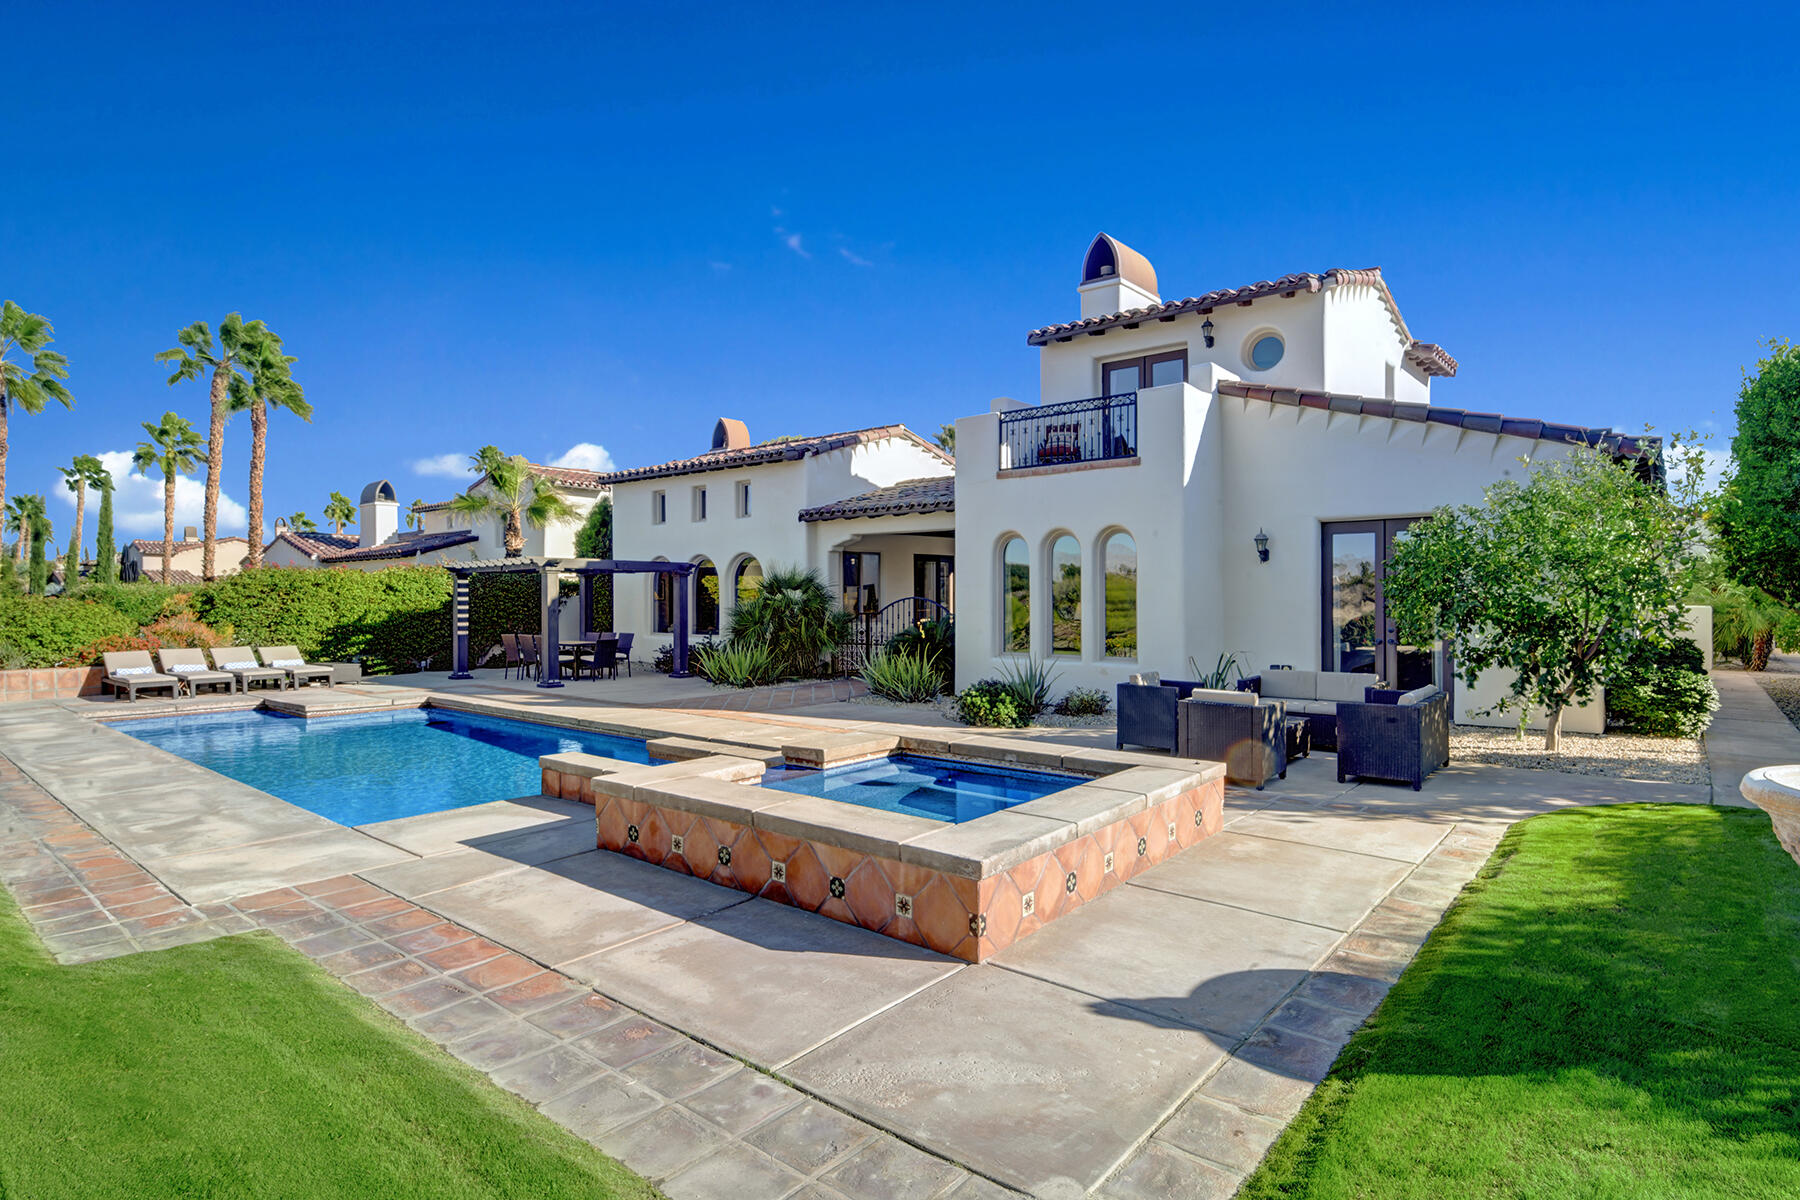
x=653, y=836
x=1080, y=863
x=807, y=880
x=906, y=877
x=609, y=823
x=943, y=919
x=552, y=782
x=749, y=864
x=1004, y=908
x=870, y=896
x=838, y=861
x=778, y=846
x=702, y=851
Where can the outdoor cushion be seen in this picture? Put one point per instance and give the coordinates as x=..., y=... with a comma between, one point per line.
x=237, y=666
x=1418, y=695
x=1148, y=679
x=288, y=662
x=1312, y=708
x=1289, y=684
x=1342, y=685
x=1219, y=696
x=134, y=670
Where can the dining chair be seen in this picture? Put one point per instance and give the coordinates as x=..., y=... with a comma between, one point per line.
x=510, y=660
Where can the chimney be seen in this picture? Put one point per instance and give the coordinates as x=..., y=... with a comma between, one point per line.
x=730, y=434
x=378, y=514
x=1114, y=278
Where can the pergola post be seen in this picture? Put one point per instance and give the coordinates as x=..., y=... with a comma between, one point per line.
x=587, y=606
x=550, y=658
x=682, y=600
x=459, y=628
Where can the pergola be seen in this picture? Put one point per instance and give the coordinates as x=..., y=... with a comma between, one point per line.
x=548, y=571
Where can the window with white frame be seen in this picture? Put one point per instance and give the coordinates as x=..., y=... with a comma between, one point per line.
x=659, y=507
x=699, y=504
x=743, y=498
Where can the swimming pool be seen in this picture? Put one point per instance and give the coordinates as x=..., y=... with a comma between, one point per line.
x=371, y=767
x=922, y=787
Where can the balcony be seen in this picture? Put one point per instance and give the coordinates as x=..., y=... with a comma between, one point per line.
x=1102, y=429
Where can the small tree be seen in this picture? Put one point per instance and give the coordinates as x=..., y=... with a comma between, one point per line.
x=1556, y=579
x=174, y=449
x=1757, y=518
x=515, y=496
x=339, y=511
x=301, y=523
x=106, y=554
x=594, y=540
x=946, y=439
x=81, y=474
x=40, y=538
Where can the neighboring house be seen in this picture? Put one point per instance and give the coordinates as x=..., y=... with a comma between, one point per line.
x=869, y=509
x=1121, y=524
x=444, y=535
x=142, y=559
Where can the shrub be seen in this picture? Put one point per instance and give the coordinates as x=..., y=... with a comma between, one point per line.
x=934, y=639
x=1664, y=701
x=665, y=656
x=47, y=632
x=795, y=615
x=989, y=702
x=91, y=654
x=1029, y=684
x=142, y=602
x=909, y=678
x=735, y=664
x=1083, y=702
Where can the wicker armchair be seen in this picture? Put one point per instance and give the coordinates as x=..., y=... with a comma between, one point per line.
x=1147, y=715
x=1400, y=737
x=1237, y=729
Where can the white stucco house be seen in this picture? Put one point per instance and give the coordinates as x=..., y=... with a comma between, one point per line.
x=142, y=559
x=442, y=534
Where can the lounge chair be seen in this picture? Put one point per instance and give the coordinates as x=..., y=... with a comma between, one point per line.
x=287, y=658
x=190, y=667
x=131, y=671
x=240, y=662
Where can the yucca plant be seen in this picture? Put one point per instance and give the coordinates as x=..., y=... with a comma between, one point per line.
x=795, y=615
x=1029, y=684
x=736, y=664
x=908, y=678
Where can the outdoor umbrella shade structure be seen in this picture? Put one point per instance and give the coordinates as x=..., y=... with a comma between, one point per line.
x=548, y=571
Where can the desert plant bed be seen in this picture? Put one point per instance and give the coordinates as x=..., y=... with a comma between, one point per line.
x=1616, y=755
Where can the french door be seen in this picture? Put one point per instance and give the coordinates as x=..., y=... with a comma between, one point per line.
x=1358, y=635
x=934, y=577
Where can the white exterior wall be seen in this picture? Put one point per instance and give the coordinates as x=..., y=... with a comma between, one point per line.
x=1362, y=343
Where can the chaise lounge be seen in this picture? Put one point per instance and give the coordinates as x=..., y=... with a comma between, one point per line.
x=240, y=662
x=190, y=667
x=288, y=659
x=131, y=671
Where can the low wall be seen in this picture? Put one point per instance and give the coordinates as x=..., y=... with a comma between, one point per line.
x=49, y=683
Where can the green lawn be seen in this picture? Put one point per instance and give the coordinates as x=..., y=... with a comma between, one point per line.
x=237, y=1068
x=1611, y=1010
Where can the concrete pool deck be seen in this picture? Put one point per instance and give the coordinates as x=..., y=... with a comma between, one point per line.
x=1151, y=1043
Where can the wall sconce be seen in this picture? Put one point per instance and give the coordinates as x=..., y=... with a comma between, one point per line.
x=1262, y=546
x=1206, y=331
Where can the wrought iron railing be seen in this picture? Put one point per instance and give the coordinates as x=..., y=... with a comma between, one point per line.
x=871, y=632
x=1077, y=431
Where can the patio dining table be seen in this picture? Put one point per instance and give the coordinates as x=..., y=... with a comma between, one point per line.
x=576, y=648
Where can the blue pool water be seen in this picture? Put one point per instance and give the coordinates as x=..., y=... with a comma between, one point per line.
x=923, y=787
x=376, y=766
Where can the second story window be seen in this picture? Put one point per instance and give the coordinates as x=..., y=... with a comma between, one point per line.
x=659, y=507
x=699, y=504
x=743, y=498
x=1134, y=374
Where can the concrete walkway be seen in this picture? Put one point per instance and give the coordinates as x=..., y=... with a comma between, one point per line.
x=1747, y=732
x=1151, y=1044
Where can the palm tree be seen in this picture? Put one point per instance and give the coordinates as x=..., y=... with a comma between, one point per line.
x=338, y=510
x=27, y=333
x=415, y=515
x=271, y=386
x=25, y=517
x=301, y=522
x=517, y=497
x=946, y=439
x=239, y=346
x=174, y=449
x=81, y=474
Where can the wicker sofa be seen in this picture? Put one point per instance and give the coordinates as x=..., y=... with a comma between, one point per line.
x=1400, y=737
x=1314, y=695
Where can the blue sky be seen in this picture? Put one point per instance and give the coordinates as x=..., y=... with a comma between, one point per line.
x=609, y=227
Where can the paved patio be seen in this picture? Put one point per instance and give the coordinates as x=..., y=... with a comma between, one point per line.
x=1151, y=1044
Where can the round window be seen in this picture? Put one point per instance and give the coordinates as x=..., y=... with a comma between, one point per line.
x=1266, y=351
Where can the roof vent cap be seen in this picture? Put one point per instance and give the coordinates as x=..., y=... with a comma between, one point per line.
x=730, y=434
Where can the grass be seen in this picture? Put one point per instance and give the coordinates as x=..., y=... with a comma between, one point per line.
x=1611, y=1010
x=237, y=1068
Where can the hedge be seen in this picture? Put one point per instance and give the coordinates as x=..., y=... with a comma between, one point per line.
x=43, y=631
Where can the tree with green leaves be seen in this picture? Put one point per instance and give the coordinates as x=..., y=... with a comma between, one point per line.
x=239, y=346
x=81, y=474
x=25, y=518
x=1556, y=579
x=27, y=334
x=946, y=439
x=40, y=545
x=339, y=511
x=595, y=540
x=272, y=386
x=174, y=449
x=301, y=523
x=1757, y=518
x=106, y=554
x=515, y=496
x=415, y=515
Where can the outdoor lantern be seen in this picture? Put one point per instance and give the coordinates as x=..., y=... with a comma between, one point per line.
x=1262, y=545
x=1206, y=331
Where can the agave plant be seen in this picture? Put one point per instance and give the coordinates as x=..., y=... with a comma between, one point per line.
x=906, y=677
x=1225, y=673
x=736, y=664
x=1029, y=684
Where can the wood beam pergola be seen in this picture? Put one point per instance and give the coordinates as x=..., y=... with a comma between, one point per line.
x=548, y=571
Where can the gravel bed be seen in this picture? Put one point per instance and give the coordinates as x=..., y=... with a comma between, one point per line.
x=1618, y=755
x=946, y=707
x=1784, y=690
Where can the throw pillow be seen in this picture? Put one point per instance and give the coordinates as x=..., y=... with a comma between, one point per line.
x=288, y=662
x=134, y=671
x=237, y=666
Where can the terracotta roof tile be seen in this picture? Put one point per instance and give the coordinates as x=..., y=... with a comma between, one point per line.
x=575, y=477
x=768, y=452
x=155, y=545
x=337, y=548
x=936, y=494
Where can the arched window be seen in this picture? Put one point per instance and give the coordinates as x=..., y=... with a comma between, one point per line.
x=662, y=601
x=1121, y=564
x=1015, y=596
x=1065, y=595
x=706, y=597
x=748, y=580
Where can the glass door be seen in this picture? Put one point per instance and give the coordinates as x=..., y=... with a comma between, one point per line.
x=1358, y=635
x=934, y=577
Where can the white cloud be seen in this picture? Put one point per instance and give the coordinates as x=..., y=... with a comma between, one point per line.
x=792, y=242
x=584, y=456
x=138, y=501
x=448, y=466
x=853, y=258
